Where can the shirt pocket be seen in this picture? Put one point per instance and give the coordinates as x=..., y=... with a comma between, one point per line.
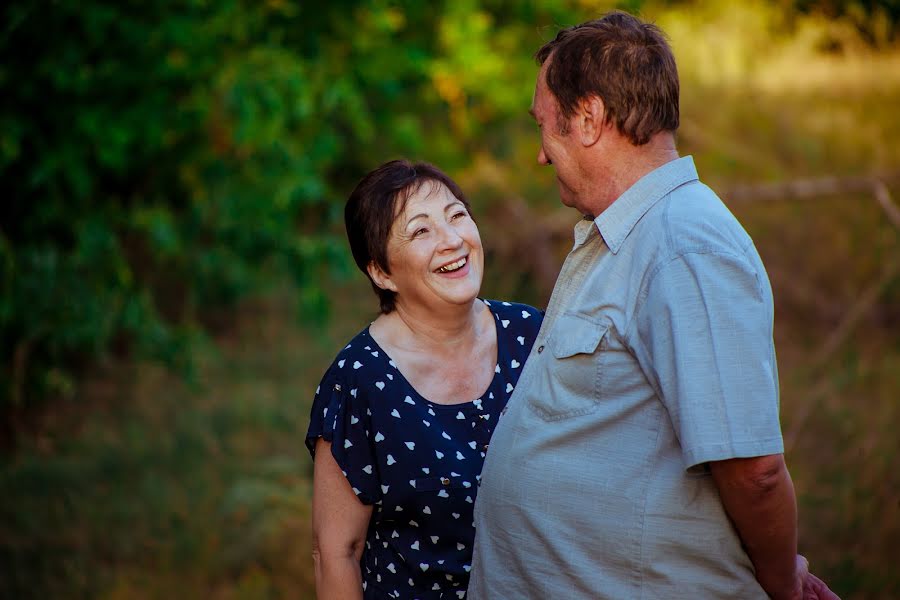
x=569, y=385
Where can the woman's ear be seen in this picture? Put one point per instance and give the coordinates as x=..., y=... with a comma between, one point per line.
x=381, y=279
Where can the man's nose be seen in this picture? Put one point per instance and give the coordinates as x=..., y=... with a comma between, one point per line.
x=543, y=160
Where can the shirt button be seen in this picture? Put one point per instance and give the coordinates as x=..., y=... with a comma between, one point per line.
x=445, y=481
x=486, y=447
x=482, y=417
x=540, y=348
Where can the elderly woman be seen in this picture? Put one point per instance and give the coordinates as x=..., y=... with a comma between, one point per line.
x=402, y=418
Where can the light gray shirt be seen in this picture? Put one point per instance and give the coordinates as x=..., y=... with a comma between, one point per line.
x=654, y=358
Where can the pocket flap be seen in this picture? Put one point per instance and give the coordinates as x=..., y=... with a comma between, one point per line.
x=575, y=335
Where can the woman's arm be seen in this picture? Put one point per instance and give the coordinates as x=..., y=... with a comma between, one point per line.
x=340, y=522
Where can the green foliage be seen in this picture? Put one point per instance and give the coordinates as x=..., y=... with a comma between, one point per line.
x=163, y=160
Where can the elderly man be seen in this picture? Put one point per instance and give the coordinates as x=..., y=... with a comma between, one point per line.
x=640, y=455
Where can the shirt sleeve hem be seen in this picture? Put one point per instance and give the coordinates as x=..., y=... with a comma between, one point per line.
x=312, y=438
x=697, y=457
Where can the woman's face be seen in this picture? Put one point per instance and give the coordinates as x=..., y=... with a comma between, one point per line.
x=434, y=252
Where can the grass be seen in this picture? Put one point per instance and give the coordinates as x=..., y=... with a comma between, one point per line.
x=144, y=487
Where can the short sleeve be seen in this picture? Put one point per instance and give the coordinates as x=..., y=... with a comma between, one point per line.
x=705, y=337
x=340, y=416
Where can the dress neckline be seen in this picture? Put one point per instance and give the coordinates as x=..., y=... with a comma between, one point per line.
x=456, y=405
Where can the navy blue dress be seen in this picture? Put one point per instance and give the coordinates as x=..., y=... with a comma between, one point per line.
x=419, y=463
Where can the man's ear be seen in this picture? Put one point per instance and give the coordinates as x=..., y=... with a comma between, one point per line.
x=591, y=120
x=381, y=279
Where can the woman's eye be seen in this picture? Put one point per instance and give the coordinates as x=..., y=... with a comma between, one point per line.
x=459, y=214
x=419, y=232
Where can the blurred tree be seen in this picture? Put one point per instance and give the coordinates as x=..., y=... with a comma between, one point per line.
x=163, y=159
x=877, y=20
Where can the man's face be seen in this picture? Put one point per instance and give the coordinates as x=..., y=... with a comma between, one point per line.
x=558, y=148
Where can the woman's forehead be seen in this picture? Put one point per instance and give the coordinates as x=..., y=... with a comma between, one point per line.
x=425, y=193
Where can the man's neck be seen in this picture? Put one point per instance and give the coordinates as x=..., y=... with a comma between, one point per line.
x=627, y=164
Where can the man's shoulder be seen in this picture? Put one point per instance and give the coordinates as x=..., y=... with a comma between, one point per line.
x=692, y=218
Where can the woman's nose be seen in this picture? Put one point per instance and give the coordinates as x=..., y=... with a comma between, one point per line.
x=449, y=237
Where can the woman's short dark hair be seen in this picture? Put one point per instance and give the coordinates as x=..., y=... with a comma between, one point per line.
x=376, y=202
x=626, y=63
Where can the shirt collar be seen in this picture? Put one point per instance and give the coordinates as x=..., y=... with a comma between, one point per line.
x=617, y=221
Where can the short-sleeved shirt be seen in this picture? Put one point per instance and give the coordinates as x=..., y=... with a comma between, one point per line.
x=416, y=461
x=654, y=358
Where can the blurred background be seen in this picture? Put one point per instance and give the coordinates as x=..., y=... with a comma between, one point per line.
x=174, y=276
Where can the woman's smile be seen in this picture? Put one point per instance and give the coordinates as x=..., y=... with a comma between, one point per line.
x=456, y=268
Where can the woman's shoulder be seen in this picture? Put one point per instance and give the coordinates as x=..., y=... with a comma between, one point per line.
x=354, y=361
x=518, y=324
x=517, y=311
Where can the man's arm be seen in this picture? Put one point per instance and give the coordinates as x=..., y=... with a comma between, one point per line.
x=758, y=496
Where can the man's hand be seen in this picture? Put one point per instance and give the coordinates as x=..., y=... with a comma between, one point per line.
x=813, y=587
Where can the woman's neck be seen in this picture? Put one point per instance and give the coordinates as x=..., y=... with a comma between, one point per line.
x=422, y=329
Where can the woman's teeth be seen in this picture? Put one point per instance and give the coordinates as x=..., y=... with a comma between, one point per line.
x=453, y=266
